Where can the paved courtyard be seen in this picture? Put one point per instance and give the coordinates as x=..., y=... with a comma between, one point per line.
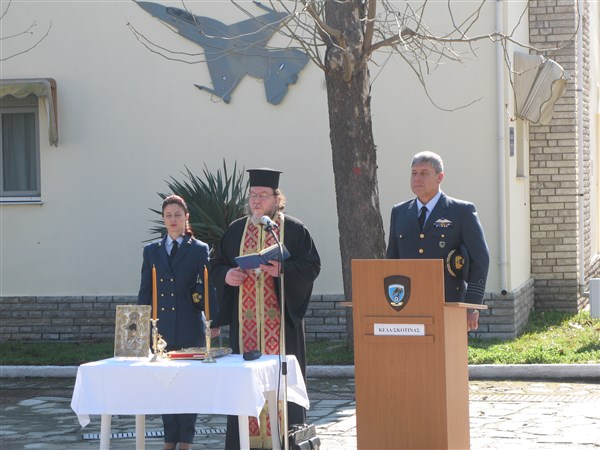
x=35, y=413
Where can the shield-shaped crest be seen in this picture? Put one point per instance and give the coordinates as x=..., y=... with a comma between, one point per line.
x=397, y=291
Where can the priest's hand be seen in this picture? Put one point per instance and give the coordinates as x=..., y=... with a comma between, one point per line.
x=235, y=277
x=272, y=268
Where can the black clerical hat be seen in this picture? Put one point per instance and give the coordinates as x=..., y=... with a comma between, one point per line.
x=264, y=177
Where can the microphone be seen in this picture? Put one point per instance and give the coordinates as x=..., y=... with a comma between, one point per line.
x=266, y=221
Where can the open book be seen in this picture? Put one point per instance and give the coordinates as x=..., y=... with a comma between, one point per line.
x=253, y=260
x=198, y=353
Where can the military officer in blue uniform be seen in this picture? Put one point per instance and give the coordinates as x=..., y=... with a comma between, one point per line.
x=179, y=259
x=435, y=226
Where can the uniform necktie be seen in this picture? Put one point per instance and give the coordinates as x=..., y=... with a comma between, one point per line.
x=173, y=251
x=422, y=216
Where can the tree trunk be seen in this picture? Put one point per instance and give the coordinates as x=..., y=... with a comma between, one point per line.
x=353, y=148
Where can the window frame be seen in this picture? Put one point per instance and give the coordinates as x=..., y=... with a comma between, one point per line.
x=12, y=105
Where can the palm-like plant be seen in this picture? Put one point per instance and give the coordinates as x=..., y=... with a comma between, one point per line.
x=214, y=201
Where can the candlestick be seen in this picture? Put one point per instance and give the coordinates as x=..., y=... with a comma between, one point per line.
x=154, y=294
x=208, y=358
x=159, y=345
x=206, y=307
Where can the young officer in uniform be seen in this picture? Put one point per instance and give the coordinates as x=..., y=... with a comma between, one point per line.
x=179, y=259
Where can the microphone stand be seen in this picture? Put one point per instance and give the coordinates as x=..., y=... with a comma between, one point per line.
x=282, y=353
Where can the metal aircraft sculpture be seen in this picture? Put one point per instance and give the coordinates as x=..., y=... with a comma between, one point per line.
x=233, y=51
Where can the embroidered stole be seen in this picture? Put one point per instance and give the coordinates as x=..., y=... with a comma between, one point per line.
x=259, y=316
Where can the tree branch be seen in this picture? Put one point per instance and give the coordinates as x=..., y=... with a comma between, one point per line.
x=31, y=47
x=6, y=10
x=406, y=34
x=370, y=25
x=335, y=36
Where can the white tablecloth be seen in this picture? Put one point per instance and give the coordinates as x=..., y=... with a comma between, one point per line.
x=135, y=386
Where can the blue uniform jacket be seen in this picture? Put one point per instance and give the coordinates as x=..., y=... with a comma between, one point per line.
x=179, y=322
x=452, y=223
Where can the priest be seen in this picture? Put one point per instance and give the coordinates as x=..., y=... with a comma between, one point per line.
x=250, y=300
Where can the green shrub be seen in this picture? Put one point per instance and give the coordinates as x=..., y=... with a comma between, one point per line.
x=214, y=201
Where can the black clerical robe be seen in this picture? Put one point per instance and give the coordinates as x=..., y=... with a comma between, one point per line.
x=300, y=270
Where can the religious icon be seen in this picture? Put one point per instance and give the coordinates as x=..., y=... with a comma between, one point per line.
x=132, y=330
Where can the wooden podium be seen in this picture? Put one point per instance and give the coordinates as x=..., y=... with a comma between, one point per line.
x=411, y=365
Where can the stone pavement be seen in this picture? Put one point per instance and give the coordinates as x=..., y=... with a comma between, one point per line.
x=35, y=413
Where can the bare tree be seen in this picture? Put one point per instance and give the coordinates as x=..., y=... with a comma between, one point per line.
x=341, y=37
x=23, y=34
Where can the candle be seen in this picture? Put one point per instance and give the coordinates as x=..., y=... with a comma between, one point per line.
x=154, y=302
x=206, y=307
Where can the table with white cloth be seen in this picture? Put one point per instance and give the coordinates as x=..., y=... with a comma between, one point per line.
x=136, y=386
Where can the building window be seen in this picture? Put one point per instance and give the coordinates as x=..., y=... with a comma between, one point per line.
x=20, y=143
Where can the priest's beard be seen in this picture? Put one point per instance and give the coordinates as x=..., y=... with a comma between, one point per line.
x=256, y=217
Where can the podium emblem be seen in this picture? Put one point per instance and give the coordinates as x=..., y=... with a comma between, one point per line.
x=397, y=291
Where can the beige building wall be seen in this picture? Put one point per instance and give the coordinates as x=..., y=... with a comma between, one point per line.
x=516, y=164
x=128, y=121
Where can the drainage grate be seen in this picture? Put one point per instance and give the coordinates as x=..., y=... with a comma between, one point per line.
x=151, y=434
x=533, y=398
x=314, y=395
